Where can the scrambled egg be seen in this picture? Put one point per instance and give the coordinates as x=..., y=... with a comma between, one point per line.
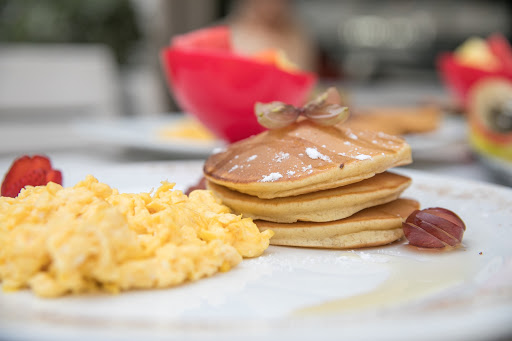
x=90, y=237
x=186, y=128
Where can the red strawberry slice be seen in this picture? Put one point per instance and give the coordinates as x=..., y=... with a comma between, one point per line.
x=54, y=176
x=33, y=171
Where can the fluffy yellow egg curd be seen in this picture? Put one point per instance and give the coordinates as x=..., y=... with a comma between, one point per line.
x=90, y=237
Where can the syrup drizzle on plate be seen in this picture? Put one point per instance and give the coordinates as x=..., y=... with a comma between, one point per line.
x=437, y=276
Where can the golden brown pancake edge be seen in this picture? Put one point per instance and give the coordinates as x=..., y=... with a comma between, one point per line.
x=374, y=226
x=326, y=205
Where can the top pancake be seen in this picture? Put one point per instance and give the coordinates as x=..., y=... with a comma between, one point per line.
x=303, y=158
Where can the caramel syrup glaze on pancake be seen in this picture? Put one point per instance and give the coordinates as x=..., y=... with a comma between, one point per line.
x=303, y=158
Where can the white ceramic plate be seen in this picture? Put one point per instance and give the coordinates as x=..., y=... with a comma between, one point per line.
x=387, y=293
x=143, y=133
x=449, y=140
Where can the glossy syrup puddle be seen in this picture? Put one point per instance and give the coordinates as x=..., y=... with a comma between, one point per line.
x=410, y=280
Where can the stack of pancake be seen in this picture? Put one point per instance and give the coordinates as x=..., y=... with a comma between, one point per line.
x=316, y=186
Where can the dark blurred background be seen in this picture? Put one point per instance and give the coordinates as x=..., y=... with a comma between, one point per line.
x=360, y=41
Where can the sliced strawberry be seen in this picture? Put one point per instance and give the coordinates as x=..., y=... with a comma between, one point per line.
x=54, y=176
x=33, y=171
x=34, y=177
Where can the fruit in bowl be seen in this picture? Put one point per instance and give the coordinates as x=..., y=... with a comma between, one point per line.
x=490, y=118
x=220, y=87
x=476, y=59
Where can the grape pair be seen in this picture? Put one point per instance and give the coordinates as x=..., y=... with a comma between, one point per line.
x=326, y=109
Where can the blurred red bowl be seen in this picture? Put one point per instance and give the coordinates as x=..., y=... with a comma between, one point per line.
x=220, y=88
x=460, y=78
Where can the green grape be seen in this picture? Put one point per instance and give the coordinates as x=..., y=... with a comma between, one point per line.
x=327, y=115
x=275, y=114
x=326, y=109
x=330, y=96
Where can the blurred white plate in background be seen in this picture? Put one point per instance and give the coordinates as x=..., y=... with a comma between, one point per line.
x=145, y=133
x=448, y=143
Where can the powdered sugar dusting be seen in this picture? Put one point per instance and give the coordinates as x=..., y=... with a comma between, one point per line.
x=271, y=177
x=252, y=157
x=308, y=169
x=372, y=257
x=279, y=157
x=233, y=168
x=363, y=157
x=314, y=154
x=290, y=173
x=352, y=136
